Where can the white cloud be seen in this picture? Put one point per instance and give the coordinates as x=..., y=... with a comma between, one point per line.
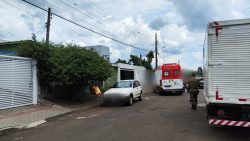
x=18, y=23
x=131, y=8
x=197, y=13
x=115, y=53
x=198, y=56
x=128, y=21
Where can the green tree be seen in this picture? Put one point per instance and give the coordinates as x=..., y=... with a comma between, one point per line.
x=150, y=57
x=121, y=61
x=136, y=60
x=70, y=64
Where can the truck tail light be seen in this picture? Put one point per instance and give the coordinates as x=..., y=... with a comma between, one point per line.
x=243, y=99
x=217, y=96
x=220, y=112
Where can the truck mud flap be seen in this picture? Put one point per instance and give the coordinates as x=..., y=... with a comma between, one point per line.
x=221, y=122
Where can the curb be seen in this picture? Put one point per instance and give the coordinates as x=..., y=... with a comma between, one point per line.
x=9, y=130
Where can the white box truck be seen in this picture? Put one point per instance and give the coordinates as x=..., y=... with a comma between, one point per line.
x=227, y=73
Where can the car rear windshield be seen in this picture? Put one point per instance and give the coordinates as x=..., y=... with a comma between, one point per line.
x=123, y=84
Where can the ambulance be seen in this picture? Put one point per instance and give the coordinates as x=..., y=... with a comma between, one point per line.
x=168, y=79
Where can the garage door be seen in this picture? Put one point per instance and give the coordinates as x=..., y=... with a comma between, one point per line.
x=18, y=82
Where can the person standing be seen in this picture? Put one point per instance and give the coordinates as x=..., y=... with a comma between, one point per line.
x=193, y=91
x=96, y=90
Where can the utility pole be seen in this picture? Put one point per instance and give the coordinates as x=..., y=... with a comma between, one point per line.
x=48, y=25
x=140, y=59
x=156, y=52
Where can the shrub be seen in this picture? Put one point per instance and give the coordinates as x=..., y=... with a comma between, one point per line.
x=69, y=64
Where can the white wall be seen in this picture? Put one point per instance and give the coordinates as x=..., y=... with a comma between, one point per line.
x=139, y=72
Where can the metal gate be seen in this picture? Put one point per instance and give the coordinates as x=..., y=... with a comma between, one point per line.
x=18, y=81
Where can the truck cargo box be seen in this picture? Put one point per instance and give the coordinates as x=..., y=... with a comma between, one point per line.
x=227, y=73
x=227, y=62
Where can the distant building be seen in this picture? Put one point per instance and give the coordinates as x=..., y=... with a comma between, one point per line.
x=1, y=41
x=103, y=51
x=9, y=47
x=126, y=72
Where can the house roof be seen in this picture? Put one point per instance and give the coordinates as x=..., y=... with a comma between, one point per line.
x=128, y=66
x=9, y=47
x=2, y=41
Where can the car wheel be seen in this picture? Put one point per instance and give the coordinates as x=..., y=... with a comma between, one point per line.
x=140, y=97
x=103, y=104
x=130, y=101
x=179, y=93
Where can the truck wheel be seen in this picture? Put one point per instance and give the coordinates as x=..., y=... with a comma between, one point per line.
x=140, y=97
x=130, y=101
x=154, y=91
x=180, y=93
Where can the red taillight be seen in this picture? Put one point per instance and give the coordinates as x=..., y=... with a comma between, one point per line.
x=220, y=112
x=217, y=96
x=160, y=82
x=243, y=99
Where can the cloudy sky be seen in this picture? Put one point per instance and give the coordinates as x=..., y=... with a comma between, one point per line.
x=180, y=24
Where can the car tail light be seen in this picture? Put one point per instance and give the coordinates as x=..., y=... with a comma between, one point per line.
x=217, y=96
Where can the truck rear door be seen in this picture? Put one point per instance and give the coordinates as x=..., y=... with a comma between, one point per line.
x=229, y=63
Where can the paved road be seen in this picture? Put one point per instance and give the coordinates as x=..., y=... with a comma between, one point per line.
x=156, y=118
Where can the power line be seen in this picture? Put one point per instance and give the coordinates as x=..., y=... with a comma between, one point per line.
x=97, y=7
x=10, y=4
x=56, y=9
x=163, y=59
x=91, y=30
x=163, y=42
x=98, y=18
x=46, y=5
x=71, y=6
x=79, y=10
x=97, y=13
x=101, y=10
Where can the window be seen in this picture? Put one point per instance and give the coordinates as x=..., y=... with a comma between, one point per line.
x=177, y=73
x=135, y=84
x=166, y=73
x=123, y=84
x=138, y=84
